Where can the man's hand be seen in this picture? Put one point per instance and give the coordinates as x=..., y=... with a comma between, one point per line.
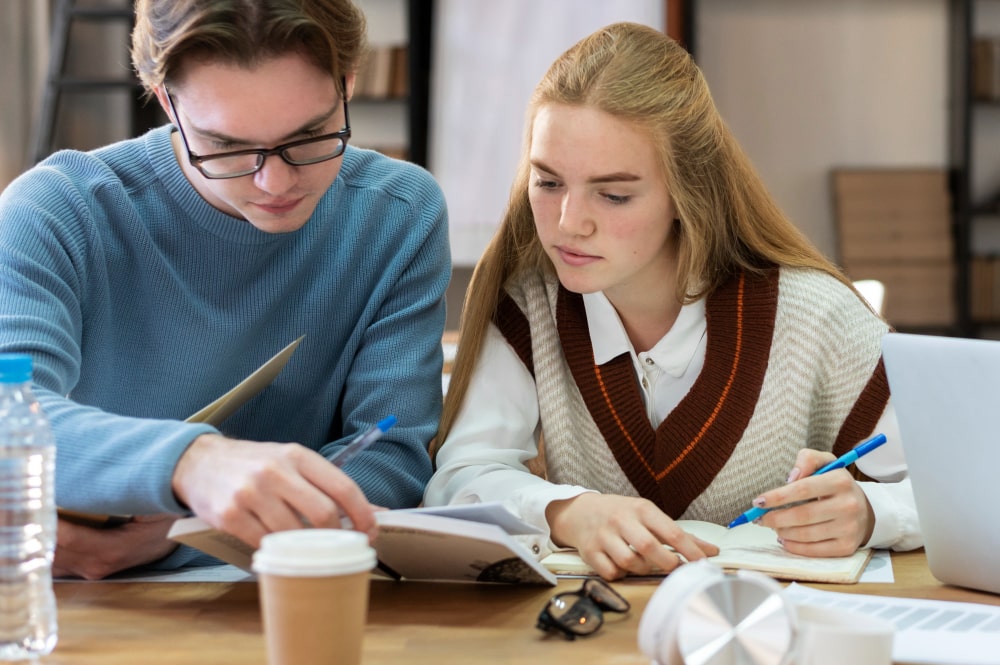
x=832, y=516
x=618, y=535
x=94, y=553
x=250, y=489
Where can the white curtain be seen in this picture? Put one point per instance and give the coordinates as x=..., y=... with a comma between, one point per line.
x=23, y=61
x=488, y=57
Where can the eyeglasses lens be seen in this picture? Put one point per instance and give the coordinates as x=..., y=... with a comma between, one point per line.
x=605, y=597
x=317, y=151
x=573, y=614
x=299, y=155
x=579, y=613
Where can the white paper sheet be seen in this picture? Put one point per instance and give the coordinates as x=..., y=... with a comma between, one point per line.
x=220, y=573
x=879, y=569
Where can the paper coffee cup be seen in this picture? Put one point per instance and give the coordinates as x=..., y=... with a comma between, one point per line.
x=314, y=595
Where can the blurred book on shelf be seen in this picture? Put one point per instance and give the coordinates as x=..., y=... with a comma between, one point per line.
x=383, y=74
x=984, y=287
x=986, y=69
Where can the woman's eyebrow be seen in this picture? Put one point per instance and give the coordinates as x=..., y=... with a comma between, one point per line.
x=617, y=176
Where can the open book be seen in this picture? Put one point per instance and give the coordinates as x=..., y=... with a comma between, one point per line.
x=749, y=547
x=213, y=414
x=470, y=543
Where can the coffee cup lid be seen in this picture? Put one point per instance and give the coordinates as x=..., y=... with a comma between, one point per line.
x=314, y=553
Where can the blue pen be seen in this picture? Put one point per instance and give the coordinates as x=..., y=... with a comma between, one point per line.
x=847, y=458
x=347, y=453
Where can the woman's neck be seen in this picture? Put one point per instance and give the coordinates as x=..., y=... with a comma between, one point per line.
x=647, y=323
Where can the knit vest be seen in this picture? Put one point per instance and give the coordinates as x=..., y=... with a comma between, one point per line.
x=792, y=361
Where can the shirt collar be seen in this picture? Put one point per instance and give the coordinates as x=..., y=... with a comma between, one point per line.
x=673, y=353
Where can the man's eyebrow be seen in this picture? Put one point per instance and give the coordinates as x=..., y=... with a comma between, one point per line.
x=307, y=126
x=617, y=176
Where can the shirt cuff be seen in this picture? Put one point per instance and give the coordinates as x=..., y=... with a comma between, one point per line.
x=896, y=523
x=531, y=508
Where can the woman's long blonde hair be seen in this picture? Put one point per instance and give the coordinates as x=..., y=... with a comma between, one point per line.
x=727, y=220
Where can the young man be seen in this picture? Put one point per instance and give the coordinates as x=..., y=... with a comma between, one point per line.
x=148, y=277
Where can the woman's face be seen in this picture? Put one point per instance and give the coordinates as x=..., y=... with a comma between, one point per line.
x=602, y=210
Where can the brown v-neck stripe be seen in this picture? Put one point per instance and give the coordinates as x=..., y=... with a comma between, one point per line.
x=725, y=391
x=674, y=463
x=611, y=393
x=513, y=324
x=865, y=413
x=618, y=421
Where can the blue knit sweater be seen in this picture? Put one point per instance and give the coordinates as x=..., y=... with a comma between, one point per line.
x=143, y=303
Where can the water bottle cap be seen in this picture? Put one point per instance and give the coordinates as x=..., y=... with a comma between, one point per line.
x=15, y=368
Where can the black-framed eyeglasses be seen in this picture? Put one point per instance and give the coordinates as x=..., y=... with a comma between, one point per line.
x=581, y=613
x=238, y=163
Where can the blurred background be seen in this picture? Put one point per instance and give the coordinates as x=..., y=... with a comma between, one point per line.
x=875, y=123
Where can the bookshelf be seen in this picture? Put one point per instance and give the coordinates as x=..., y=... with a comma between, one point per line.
x=976, y=164
x=389, y=108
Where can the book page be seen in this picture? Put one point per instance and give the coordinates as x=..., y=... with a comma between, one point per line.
x=431, y=547
x=755, y=547
x=227, y=404
x=750, y=547
x=488, y=513
x=197, y=533
x=413, y=544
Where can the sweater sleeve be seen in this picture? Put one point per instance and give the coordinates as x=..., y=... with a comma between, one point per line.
x=106, y=462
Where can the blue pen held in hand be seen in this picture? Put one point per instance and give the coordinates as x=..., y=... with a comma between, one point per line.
x=347, y=453
x=844, y=460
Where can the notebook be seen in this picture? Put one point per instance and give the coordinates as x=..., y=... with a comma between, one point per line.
x=946, y=392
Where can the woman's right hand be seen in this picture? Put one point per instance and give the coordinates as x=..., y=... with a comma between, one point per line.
x=619, y=535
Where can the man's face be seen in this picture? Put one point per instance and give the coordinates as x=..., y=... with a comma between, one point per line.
x=223, y=107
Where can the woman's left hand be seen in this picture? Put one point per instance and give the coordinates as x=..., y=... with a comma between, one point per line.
x=828, y=515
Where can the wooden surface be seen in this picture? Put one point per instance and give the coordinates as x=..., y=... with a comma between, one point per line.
x=413, y=623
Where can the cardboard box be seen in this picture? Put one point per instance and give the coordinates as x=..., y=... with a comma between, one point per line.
x=894, y=225
x=897, y=185
x=917, y=293
x=893, y=215
x=895, y=237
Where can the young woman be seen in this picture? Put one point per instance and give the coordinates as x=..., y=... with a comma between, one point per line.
x=647, y=311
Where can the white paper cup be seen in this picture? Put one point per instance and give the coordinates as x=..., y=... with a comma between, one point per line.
x=314, y=595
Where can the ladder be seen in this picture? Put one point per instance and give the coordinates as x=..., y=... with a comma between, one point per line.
x=65, y=13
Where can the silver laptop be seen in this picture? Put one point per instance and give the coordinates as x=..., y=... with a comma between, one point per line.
x=946, y=392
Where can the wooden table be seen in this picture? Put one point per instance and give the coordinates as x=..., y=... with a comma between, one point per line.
x=410, y=623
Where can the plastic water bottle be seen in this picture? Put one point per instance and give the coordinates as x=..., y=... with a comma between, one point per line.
x=28, y=627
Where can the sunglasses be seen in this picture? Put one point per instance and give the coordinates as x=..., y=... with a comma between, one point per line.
x=581, y=613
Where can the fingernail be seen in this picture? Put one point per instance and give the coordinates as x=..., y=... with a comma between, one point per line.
x=781, y=541
x=794, y=475
x=759, y=502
